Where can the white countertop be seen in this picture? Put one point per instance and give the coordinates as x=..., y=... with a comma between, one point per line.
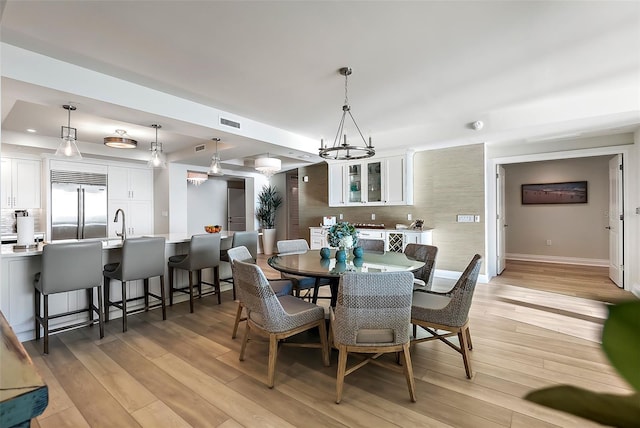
x=107, y=243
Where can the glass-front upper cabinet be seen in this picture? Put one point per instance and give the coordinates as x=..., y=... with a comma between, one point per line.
x=374, y=182
x=355, y=183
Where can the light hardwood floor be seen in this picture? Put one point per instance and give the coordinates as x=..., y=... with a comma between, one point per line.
x=185, y=371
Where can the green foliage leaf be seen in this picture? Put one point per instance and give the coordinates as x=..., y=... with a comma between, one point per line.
x=269, y=200
x=621, y=340
x=607, y=409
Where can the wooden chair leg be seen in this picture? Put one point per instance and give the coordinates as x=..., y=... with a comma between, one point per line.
x=124, y=306
x=408, y=371
x=415, y=331
x=468, y=332
x=324, y=343
x=464, y=350
x=163, y=298
x=238, y=319
x=273, y=355
x=342, y=368
x=245, y=339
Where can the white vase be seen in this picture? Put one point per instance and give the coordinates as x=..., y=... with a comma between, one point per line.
x=268, y=241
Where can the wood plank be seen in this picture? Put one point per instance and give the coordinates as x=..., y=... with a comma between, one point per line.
x=158, y=414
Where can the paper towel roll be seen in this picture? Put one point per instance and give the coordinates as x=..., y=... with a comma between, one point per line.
x=25, y=230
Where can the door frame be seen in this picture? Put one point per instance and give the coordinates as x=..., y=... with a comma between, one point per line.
x=491, y=200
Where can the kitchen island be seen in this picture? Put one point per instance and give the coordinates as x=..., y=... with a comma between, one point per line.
x=20, y=266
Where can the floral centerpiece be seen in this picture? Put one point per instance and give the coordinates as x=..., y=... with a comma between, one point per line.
x=342, y=235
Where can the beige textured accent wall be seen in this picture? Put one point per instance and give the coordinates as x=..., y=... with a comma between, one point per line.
x=446, y=182
x=575, y=230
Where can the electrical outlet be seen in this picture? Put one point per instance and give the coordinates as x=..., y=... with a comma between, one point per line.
x=476, y=219
x=465, y=218
x=549, y=242
x=409, y=217
x=373, y=216
x=341, y=216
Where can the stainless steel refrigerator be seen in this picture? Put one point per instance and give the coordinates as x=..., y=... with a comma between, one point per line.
x=78, y=205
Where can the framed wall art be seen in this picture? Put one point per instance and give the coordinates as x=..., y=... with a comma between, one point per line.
x=569, y=192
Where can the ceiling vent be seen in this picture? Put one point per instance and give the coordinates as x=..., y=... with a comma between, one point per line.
x=228, y=122
x=200, y=148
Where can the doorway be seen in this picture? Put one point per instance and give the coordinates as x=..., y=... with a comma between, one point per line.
x=236, y=206
x=293, y=214
x=547, y=233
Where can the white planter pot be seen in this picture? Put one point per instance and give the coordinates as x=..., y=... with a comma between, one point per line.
x=268, y=241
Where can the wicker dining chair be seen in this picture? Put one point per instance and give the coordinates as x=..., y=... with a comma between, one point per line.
x=281, y=287
x=423, y=277
x=433, y=311
x=372, y=316
x=276, y=317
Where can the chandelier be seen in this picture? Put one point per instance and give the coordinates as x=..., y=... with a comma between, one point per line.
x=216, y=168
x=344, y=150
x=157, y=157
x=69, y=135
x=268, y=166
x=196, y=177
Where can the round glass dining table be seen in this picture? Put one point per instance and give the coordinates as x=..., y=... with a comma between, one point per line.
x=311, y=264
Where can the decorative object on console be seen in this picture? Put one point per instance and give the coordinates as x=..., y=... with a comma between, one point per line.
x=196, y=177
x=157, y=159
x=215, y=168
x=342, y=235
x=417, y=225
x=69, y=135
x=120, y=140
x=268, y=166
x=345, y=151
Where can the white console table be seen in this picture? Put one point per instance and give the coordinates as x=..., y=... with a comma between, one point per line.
x=394, y=239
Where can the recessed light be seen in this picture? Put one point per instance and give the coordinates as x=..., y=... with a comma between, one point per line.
x=31, y=130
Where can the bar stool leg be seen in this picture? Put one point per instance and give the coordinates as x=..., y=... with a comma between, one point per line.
x=36, y=301
x=216, y=281
x=162, y=295
x=146, y=294
x=191, y=291
x=45, y=324
x=199, y=278
x=170, y=286
x=99, y=310
x=90, y=301
x=107, y=302
x=124, y=306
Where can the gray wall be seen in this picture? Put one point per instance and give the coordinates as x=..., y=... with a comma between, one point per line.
x=207, y=205
x=446, y=182
x=575, y=230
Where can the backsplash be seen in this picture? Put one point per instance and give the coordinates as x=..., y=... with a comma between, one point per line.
x=8, y=221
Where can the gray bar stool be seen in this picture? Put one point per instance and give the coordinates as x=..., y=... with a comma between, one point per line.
x=204, y=252
x=68, y=267
x=142, y=258
x=247, y=239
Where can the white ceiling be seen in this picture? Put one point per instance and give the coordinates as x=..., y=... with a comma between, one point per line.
x=423, y=70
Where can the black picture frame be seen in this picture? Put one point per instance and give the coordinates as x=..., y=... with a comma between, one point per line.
x=568, y=192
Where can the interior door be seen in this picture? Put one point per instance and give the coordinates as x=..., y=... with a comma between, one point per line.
x=616, y=221
x=236, y=210
x=501, y=221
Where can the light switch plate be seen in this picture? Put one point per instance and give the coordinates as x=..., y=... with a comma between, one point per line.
x=465, y=218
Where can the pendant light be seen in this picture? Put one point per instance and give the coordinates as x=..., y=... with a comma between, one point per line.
x=268, y=166
x=345, y=151
x=215, y=168
x=67, y=147
x=120, y=140
x=157, y=159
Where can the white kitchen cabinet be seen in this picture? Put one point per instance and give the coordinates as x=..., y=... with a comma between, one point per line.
x=375, y=182
x=130, y=183
x=318, y=237
x=20, y=183
x=138, y=217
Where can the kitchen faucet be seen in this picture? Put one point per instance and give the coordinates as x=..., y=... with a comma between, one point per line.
x=123, y=233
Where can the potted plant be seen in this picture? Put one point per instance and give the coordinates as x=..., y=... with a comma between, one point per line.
x=269, y=200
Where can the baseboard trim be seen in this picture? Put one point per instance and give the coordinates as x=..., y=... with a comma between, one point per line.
x=452, y=274
x=558, y=259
